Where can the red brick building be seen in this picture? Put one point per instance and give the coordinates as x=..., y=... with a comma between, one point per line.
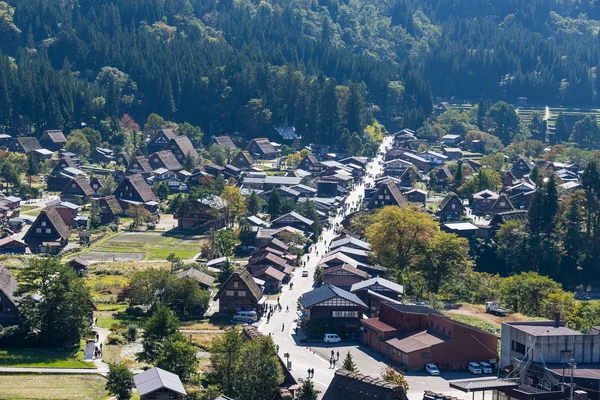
x=414, y=336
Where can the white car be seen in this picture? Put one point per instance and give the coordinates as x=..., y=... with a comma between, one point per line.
x=474, y=368
x=305, y=274
x=432, y=369
x=486, y=368
x=331, y=338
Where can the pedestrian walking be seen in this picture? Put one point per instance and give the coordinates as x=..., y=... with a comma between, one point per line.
x=287, y=308
x=308, y=373
x=332, y=353
x=312, y=372
x=338, y=355
x=282, y=327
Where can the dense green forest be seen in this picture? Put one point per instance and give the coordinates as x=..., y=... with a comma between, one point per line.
x=245, y=65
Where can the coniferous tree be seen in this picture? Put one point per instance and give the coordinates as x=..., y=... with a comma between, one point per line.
x=274, y=208
x=561, y=133
x=348, y=363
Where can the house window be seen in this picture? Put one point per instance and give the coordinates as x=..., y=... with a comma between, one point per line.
x=502, y=204
x=73, y=185
x=453, y=206
x=344, y=314
x=48, y=230
x=387, y=197
x=43, y=223
x=235, y=284
x=518, y=347
x=241, y=293
x=381, y=196
x=230, y=293
x=38, y=230
x=425, y=355
x=449, y=331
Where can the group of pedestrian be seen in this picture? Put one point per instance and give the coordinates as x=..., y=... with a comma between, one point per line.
x=311, y=373
x=97, y=349
x=272, y=310
x=333, y=359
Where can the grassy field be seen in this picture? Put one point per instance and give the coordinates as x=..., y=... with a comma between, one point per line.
x=142, y=246
x=52, y=358
x=477, y=323
x=32, y=211
x=50, y=387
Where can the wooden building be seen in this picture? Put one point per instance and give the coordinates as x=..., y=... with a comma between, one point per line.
x=240, y=293
x=48, y=233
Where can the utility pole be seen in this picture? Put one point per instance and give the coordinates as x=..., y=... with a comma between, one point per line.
x=573, y=365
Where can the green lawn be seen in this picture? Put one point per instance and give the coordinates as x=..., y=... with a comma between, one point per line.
x=476, y=322
x=52, y=387
x=52, y=358
x=106, y=321
x=153, y=245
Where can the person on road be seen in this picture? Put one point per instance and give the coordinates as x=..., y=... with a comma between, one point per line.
x=282, y=327
x=287, y=308
x=338, y=355
x=312, y=372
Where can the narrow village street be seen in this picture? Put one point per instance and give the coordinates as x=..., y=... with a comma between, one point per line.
x=282, y=325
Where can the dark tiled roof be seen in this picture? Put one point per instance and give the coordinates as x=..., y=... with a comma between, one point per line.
x=198, y=276
x=348, y=268
x=185, y=145
x=83, y=184
x=447, y=199
x=223, y=141
x=55, y=136
x=169, y=160
x=412, y=309
x=140, y=186
x=113, y=204
x=295, y=215
x=500, y=218
x=8, y=285
x=29, y=144
x=264, y=145
x=327, y=292
x=348, y=385
x=143, y=163
x=270, y=258
x=57, y=221
x=245, y=276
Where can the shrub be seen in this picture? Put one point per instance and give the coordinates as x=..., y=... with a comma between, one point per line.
x=115, y=339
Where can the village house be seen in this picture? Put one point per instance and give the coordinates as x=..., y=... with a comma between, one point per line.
x=48, y=233
x=451, y=140
x=261, y=148
x=134, y=190
x=53, y=140
x=78, y=191
x=264, y=259
x=223, y=141
x=416, y=196
x=443, y=178
x=25, y=145
x=311, y=164
x=139, y=165
x=181, y=147
x=243, y=160
x=388, y=194
x=9, y=309
x=160, y=140
x=272, y=277
x=294, y=220
x=521, y=167
x=97, y=183
x=330, y=302
x=396, y=167
x=164, y=159
x=109, y=210
x=79, y=265
x=503, y=204
x=61, y=174
x=462, y=229
x=240, y=293
x=482, y=202
x=158, y=384
x=10, y=245
x=434, y=158
x=348, y=385
x=376, y=291
x=205, y=281
x=413, y=336
x=350, y=242
x=453, y=153
x=343, y=276
x=68, y=211
x=451, y=208
x=207, y=213
x=420, y=163
x=410, y=177
x=103, y=155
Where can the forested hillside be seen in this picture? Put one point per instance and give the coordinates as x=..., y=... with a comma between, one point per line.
x=243, y=65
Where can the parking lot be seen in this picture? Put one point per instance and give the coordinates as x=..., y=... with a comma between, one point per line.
x=419, y=382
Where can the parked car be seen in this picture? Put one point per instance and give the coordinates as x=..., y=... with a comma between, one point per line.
x=474, y=368
x=331, y=338
x=305, y=274
x=245, y=316
x=486, y=368
x=432, y=369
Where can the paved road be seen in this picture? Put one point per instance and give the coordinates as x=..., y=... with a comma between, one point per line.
x=282, y=324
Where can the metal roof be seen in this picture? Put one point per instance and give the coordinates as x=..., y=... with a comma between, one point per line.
x=156, y=378
x=479, y=385
x=379, y=282
x=327, y=292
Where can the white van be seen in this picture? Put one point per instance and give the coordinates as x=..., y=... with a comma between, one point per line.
x=331, y=338
x=245, y=316
x=485, y=367
x=474, y=368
